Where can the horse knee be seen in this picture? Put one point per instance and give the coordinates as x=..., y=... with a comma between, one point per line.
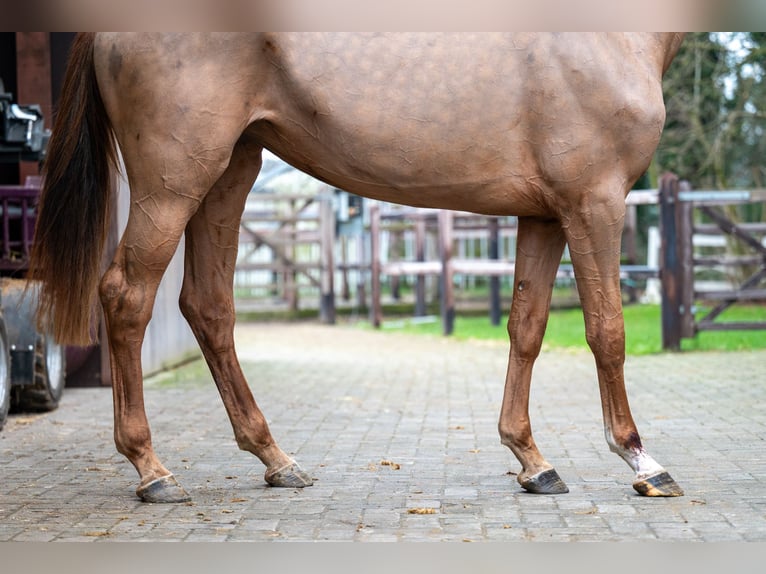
x=607, y=342
x=526, y=336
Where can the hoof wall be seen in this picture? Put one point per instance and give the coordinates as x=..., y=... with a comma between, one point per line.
x=661, y=484
x=163, y=490
x=546, y=482
x=290, y=476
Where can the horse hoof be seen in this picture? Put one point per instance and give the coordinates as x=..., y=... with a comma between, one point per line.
x=290, y=476
x=661, y=484
x=546, y=482
x=164, y=490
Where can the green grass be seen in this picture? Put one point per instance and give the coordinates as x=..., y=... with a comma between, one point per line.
x=642, y=330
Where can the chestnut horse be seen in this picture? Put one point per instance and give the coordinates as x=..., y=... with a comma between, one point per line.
x=553, y=128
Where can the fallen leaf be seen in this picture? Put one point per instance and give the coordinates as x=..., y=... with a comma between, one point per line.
x=393, y=465
x=25, y=420
x=421, y=511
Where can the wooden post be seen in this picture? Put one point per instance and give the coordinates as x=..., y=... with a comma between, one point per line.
x=345, y=290
x=327, y=238
x=670, y=270
x=445, y=255
x=33, y=82
x=420, y=256
x=376, y=310
x=494, y=280
x=685, y=230
x=361, y=286
x=290, y=274
x=394, y=246
x=629, y=246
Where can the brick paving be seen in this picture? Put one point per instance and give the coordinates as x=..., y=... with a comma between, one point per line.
x=400, y=434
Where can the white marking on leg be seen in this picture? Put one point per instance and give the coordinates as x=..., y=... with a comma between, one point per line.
x=637, y=458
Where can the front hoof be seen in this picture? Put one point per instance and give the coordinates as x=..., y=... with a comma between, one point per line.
x=661, y=484
x=290, y=476
x=163, y=490
x=545, y=482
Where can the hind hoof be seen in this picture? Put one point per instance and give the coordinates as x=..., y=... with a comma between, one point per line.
x=546, y=482
x=661, y=484
x=163, y=490
x=290, y=476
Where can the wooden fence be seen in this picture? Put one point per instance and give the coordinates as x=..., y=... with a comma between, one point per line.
x=293, y=239
x=452, y=230
x=452, y=259
x=686, y=216
x=286, y=240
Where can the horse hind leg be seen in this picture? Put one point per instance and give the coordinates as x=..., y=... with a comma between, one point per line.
x=540, y=244
x=158, y=216
x=207, y=303
x=594, y=235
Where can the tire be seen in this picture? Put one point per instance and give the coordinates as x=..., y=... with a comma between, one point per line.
x=5, y=376
x=50, y=373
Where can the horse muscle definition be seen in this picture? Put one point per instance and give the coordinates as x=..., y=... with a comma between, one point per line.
x=553, y=128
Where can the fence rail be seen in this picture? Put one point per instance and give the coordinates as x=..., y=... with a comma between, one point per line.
x=293, y=239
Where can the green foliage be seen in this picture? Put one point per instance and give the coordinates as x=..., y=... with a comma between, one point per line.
x=643, y=333
x=715, y=100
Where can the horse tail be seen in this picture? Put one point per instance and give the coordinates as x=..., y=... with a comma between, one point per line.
x=73, y=211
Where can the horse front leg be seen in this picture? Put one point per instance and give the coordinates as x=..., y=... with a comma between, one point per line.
x=208, y=305
x=539, y=246
x=594, y=236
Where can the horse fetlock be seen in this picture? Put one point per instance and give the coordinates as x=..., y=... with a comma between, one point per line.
x=518, y=439
x=639, y=460
x=134, y=445
x=266, y=450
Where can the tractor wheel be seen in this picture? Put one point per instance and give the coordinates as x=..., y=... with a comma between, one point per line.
x=50, y=373
x=5, y=375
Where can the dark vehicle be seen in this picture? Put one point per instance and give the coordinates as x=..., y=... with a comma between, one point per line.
x=32, y=365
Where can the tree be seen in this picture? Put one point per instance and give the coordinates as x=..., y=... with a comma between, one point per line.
x=716, y=111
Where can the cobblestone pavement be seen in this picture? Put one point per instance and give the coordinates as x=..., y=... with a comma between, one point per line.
x=400, y=434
